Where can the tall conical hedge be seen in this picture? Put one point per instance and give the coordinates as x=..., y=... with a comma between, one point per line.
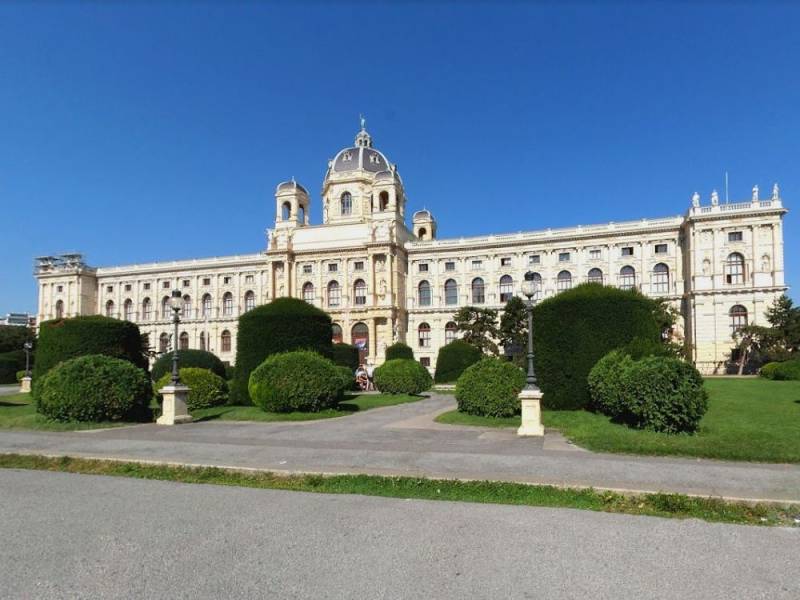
x=282, y=325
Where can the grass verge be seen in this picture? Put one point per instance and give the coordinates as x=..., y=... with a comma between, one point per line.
x=18, y=412
x=658, y=505
x=454, y=417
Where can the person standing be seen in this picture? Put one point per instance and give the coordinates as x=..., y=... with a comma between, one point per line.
x=370, y=375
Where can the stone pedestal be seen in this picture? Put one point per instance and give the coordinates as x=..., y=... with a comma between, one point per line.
x=25, y=385
x=173, y=408
x=531, y=413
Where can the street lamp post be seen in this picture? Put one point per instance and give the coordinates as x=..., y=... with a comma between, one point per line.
x=173, y=406
x=531, y=396
x=25, y=384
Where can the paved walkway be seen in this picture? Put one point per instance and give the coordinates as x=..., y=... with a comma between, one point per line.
x=404, y=440
x=7, y=390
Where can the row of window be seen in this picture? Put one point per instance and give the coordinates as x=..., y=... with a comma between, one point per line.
x=346, y=203
x=183, y=341
x=185, y=283
x=129, y=314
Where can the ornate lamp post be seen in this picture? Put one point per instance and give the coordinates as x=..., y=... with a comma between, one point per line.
x=173, y=407
x=531, y=396
x=25, y=384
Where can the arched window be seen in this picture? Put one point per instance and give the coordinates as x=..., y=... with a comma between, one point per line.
x=450, y=332
x=661, y=278
x=301, y=213
x=450, y=292
x=308, y=292
x=225, y=338
x=286, y=211
x=346, y=204
x=60, y=309
x=360, y=338
x=165, y=307
x=147, y=309
x=424, y=293
x=249, y=300
x=202, y=340
x=734, y=269
x=738, y=315
x=383, y=199
x=163, y=343
x=424, y=335
x=360, y=292
x=337, y=336
x=127, y=309
x=334, y=294
x=183, y=341
x=595, y=276
x=110, y=308
x=537, y=281
x=187, y=307
x=478, y=296
x=627, y=277
x=422, y=233
x=227, y=304
x=506, y=288
x=207, y=305
x=563, y=281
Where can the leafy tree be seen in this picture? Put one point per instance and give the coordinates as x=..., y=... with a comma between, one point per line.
x=785, y=319
x=12, y=337
x=479, y=328
x=514, y=328
x=779, y=342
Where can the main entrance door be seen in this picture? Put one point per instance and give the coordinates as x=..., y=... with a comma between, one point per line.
x=360, y=335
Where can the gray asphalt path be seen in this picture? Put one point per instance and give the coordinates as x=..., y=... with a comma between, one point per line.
x=83, y=536
x=404, y=440
x=7, y=390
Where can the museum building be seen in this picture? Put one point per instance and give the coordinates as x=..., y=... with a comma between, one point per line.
x=381, y=280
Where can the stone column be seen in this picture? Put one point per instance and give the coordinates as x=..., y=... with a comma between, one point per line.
x=530, y=400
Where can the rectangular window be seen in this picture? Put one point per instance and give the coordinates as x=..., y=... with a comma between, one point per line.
x=147, y=286
x=450, y=266
x=333, y=267
x=477, y=264
x=60, y=288
x=735, y=236
x=594, y=254
x=226, y=280
x=661, y=248
x=109, y=288
x=425, y=361
x=358, y=265
x=186, y=283
x=307, y=269
x=423, y=267
x=505, y=261
x=127, y=287
x=627, y=251
x=534, y=259
x=249, y=279
x=165, y=285
x=563, y=257
x=206, y=281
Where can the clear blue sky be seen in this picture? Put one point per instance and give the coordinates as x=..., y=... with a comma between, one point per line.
x=142, y=132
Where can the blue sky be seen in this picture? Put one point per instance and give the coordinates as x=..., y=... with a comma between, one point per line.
x=143, y=131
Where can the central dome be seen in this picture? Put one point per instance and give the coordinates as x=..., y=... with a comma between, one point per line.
x=360, y=157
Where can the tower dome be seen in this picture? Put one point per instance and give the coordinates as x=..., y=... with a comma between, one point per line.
x=361, y=156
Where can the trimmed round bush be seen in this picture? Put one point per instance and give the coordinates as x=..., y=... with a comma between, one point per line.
x=768, y=370
x=20, y=375
x=657, y=393
x=640, y=347
x=296, y=381
x=206, y=388
x=283, y=325
x=94, y=388
x=453, y=359
x=348, y=378
x=399, y=350
x=196, y=359
x=402, y=376
x=490, y=388
x=788, y=370
x=63, y=339
x=576, y=328
x=345, y=355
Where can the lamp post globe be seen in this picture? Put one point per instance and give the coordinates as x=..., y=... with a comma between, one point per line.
x=175, y=303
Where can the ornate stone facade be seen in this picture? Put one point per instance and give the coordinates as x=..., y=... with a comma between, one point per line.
x=720, y=265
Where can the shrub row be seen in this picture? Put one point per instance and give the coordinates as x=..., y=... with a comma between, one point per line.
x=782, y=371
x=656, y=393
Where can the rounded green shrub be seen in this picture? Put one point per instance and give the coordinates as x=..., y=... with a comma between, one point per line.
x=453, y=359
x=658, y=393
x=399, y=350
x=788, y=370
x=283, y=325
x=576, y=328
x=94, y=388
x=206, y=388
x=196, y=359
x=768, y=370
x=402, y=376
x=490, y=388
x=63, y=339
x=345, y=355
x=296, y=381
x=348, y=378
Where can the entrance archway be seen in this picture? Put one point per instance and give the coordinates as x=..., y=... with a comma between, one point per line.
x=360, y=338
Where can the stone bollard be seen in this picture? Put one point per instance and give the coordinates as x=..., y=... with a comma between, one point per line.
x=25, y=385
x=173, y=407
x=531, y=413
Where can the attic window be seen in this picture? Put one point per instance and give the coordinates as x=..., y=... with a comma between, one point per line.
x=373, y=158
x=347, y=156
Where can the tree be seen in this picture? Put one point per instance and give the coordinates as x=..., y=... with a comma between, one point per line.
x=479, y=328
x=514, y=328
x=785, y=319
x=778, y=342
x=12, y=337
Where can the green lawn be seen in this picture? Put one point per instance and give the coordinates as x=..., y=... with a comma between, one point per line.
x=458, y=418
x=747, y=419
x=348, y=406
x=18, y=412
